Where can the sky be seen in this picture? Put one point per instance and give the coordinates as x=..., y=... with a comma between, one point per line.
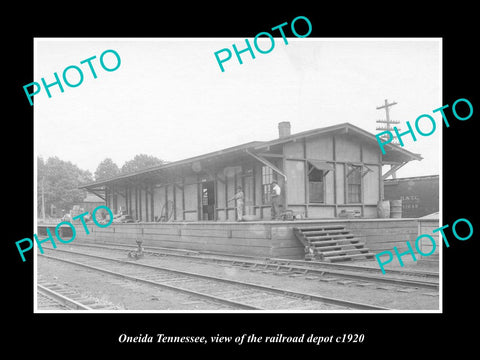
x=169, y=98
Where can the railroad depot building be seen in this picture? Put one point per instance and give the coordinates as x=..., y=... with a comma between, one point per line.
x=321, y=172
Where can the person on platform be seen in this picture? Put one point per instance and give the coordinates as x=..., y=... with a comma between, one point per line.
x=239, y=196
x=275, y=196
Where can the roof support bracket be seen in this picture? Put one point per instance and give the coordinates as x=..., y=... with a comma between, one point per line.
x=115, y=191
x=393, y=170
x=365, y=172
x=95, y=193
x=267, y=163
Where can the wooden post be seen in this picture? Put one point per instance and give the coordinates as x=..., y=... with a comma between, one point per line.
x=174, y=201
x=199, y=199
x=226, y=196
x=107, y=197
x=362, y=182
x=307, y=182
x=136, y=203
x=127, y=202
x=254, y=197
x=183, y=197
x=140, y=202
x=380, y=183
x=152, y=208
x=334, y=177
x=146, y=202
x=285, y=192
x=166, y=202
x=130, y=201
x=234, y=191
x=215, y=206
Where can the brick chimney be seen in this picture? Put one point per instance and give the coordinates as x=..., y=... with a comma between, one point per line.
x=284, y=129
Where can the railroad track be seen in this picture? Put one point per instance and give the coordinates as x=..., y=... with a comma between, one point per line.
x=238, y=294
x=56, y=297
x=343, y=273
x=49, y=302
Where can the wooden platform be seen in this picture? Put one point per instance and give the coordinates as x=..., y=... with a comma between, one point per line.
x=256, y=238
x=426, y=225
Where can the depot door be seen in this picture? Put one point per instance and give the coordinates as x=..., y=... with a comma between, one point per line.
x=208, y=200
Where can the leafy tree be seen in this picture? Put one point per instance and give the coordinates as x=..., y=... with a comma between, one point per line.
x=140, y=162
x=60, y=181
x=106, y=169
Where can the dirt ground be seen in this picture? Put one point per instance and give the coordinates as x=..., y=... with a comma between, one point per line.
x=129, y=295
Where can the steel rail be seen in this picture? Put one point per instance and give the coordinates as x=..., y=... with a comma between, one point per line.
x=310, y=264
x=363, y=277
x=318, y=269
x=324, y=299
x=351, y=267
x=155, y=283
x=62, y=299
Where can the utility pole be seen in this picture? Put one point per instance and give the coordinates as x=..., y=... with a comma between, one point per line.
x=388, y=126
x=388, y=122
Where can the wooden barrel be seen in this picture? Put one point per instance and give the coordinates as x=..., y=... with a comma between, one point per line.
x=396, y=208
x=383, y=209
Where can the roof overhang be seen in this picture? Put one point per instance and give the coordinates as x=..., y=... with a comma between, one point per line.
x=395, y=155
x=136, y=176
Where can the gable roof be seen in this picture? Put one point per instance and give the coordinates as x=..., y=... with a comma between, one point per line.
x=342, y=128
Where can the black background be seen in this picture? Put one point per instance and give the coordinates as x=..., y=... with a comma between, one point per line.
x=385, y=334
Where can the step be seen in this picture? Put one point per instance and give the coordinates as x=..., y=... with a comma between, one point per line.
x=348, y=241
x=318, y=232
x=329, y=236
x=333, y=243
x=331, y=247
x=322, y=228
x=336, y=252
x=330, y=258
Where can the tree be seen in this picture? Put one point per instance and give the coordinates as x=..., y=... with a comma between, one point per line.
x=140, y=162
x=60, y=180
x=106, y=169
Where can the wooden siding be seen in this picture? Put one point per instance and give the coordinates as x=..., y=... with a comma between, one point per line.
x=371, y=194
x=145, y=201
x=320, y=148
x=295, y=191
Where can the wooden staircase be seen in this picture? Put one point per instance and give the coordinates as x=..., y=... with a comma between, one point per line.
x=332, y=243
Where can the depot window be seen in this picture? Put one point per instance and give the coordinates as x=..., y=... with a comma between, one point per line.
x=267, y=178
x=316, y=187
x=354, y=184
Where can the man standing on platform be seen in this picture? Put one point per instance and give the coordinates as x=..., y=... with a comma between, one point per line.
x=276, y=192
